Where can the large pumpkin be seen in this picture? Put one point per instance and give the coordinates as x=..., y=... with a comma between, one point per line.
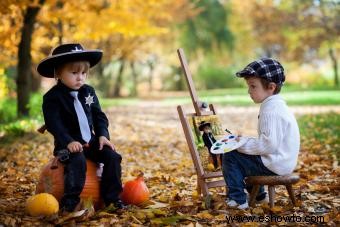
x=52, y=181
x=135, y=191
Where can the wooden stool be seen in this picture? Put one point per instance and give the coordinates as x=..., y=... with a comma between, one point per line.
x=271, y=181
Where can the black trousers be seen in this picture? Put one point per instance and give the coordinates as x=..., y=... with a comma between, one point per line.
x=75, y=175
x=215, y=158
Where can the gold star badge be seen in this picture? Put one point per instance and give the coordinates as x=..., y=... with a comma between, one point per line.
x=89, y=100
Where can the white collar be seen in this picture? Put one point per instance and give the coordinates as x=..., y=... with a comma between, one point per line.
x=272, y=97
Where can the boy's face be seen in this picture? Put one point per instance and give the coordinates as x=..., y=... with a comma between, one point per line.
x=256, y=90
x=73, y=74
x=206, y=129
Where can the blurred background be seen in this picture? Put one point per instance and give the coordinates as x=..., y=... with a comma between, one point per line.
x=140, y=38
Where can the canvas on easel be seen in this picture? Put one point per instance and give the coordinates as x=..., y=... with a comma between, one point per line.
x=205, y=179
x=204, y=137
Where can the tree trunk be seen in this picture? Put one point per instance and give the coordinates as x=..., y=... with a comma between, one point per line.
x=118, y=84
x=60, y=5
x=179, y=85
x=151, y=66
x=335, y=66
x=134, y=78
x=24, y=59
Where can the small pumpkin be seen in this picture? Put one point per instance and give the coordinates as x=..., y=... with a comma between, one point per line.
x=135, y=191
x=42, y=204
x=52, y=181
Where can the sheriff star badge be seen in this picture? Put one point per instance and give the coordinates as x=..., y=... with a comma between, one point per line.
x=89, y=100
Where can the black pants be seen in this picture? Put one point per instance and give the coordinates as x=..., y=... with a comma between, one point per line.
x=215, y=158
x=75, y=174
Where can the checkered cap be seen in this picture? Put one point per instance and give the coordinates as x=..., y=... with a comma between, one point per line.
x=266, y=68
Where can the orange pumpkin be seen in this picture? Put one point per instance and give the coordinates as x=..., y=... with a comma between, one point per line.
x=52, y=181
x=135, y=191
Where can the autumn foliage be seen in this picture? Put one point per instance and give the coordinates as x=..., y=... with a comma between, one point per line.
x=162, y=154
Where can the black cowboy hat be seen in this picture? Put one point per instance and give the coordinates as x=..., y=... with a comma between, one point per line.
x=67, y=53
x=203, y=124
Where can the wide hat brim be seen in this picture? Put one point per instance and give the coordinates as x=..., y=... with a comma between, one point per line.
x=47, y=66
x=201, y=126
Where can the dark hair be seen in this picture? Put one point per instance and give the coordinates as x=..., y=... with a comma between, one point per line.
x=265, y=83
x=77, y=65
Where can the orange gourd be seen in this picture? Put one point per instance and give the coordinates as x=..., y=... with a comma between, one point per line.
x=135, y=191
x=52, y=181
x=42, y=204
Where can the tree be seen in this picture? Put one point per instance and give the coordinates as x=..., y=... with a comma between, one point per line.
x=298, y=30
x=122, y=29
x=24, y=57
x=123, y=26
x=321, y=28
x=208, y=30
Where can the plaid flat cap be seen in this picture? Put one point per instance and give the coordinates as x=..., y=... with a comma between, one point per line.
x=266, y=68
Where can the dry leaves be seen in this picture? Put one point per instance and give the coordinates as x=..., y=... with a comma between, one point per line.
x=151, y=140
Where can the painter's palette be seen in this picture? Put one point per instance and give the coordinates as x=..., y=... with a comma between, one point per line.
x=227, y=143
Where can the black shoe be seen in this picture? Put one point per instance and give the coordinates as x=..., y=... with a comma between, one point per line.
x=119, y=204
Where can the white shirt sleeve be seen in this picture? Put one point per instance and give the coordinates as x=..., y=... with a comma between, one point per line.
x=271, y=131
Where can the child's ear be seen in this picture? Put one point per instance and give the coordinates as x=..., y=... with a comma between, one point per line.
x=272, y=86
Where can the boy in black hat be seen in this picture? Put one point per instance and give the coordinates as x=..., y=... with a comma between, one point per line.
x=275, y=150
x=74, y=117
x=209, y=140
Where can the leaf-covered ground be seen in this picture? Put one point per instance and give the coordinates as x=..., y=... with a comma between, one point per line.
x=151, y=140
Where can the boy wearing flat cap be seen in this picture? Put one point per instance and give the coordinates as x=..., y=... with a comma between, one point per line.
x=275, y=150
x=73, y=116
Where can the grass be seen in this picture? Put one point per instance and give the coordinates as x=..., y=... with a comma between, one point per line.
x=321, y=132
x=239, y=97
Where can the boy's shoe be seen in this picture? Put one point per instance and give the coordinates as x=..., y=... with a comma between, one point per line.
x=262, y=201
x=119, y=204
x=116, y=205
x=243, y=206
x=80, y=206
x=65, y=212
x=232, y=203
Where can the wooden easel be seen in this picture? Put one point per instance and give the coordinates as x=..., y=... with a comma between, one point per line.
x=205, y=180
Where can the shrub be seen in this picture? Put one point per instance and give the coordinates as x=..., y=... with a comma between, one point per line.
x=212, y=77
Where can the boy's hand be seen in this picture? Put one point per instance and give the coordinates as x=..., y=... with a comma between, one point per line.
x=104, y=141
x=74, y=147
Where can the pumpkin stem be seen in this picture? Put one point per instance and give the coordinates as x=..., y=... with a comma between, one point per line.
x=140, y=175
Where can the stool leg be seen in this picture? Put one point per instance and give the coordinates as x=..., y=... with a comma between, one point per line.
x=291, y=193
x=253, y=194
x=271, y=190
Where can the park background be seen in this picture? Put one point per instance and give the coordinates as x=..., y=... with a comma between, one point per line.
x=140, y=83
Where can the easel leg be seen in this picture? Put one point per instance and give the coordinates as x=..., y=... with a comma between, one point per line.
x=198, y=188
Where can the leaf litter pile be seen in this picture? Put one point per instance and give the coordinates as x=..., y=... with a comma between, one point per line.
x=151, y=140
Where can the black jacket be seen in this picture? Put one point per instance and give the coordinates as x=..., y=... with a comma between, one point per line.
x=61, y=118
x=207, y=141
